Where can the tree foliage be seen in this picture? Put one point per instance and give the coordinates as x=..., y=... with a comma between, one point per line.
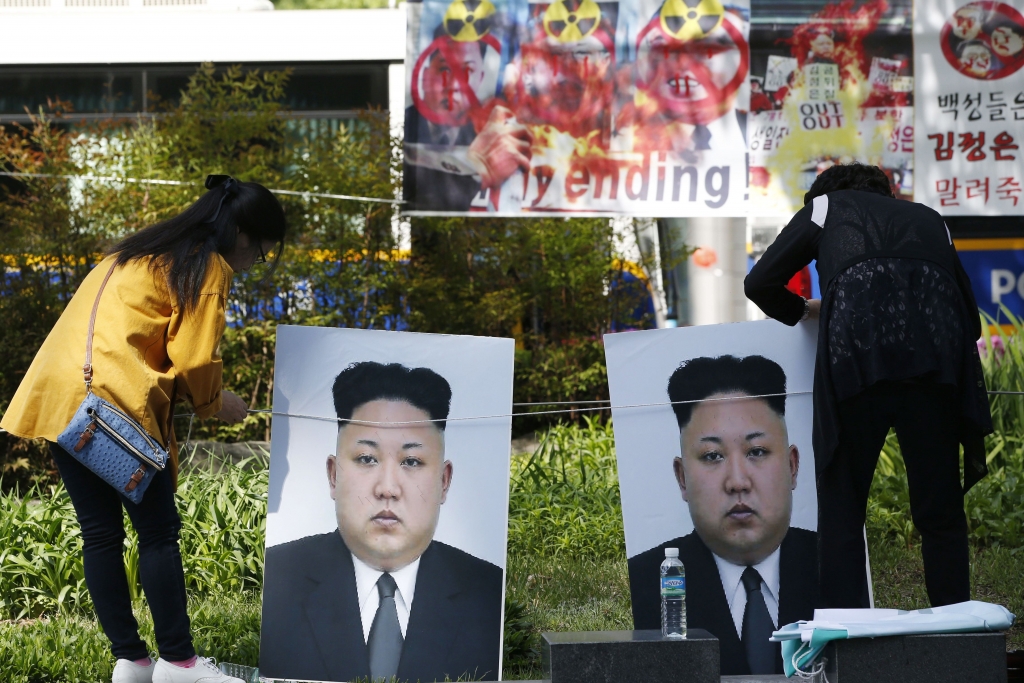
x=553, y=284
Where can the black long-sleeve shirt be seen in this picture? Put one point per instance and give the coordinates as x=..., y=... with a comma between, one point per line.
x=896, y=304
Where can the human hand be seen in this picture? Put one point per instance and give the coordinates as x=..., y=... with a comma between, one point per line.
x=501, y=147
x=233, y=409
x=813, y=309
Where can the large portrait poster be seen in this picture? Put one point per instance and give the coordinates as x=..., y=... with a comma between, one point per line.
x=831, y=82
x=577, y=107
x=971, y=87
x=725, y=474
x=387, y=509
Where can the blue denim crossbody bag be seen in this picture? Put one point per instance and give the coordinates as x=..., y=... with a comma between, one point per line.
x=106, y=439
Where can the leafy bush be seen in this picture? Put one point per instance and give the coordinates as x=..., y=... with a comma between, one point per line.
x=994, y=513
x=223, y=516
x=40, y=555
x=565, y=496
x=71, y=648
x=566, y=568
x=571, y=371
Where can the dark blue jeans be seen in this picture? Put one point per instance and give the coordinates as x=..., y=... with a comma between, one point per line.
x=98, y=507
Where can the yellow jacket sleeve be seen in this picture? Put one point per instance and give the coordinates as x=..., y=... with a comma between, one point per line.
x=193, y=344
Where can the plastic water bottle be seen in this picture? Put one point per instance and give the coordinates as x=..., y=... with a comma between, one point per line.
x=673, y=595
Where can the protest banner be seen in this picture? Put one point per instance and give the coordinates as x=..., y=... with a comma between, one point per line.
x=576, y=107
x=971, y=89
x=830, y=83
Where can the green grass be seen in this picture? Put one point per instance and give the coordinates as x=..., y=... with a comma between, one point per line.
x=223, y=515
x=566, y=593
x=71, y=647
x=566, y=567
x=564, y=498
x=996, y=576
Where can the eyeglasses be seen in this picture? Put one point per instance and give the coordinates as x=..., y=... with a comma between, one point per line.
x=262, y=258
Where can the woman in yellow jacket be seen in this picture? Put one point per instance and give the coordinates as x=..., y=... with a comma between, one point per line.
x=157, y=338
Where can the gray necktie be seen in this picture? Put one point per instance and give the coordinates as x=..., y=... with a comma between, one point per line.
x=757, y=626
x=385, y=642
x=701, y=137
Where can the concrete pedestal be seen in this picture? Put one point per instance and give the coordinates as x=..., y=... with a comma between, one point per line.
x=946, y=658
x=630, y=657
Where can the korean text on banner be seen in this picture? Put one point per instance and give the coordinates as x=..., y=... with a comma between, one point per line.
x=971, y=90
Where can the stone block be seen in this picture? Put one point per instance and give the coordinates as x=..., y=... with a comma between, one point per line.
x=936, y=658
x=629, y=657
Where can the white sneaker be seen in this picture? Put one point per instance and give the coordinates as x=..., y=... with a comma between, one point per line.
x=205, y=671
x=127, y=671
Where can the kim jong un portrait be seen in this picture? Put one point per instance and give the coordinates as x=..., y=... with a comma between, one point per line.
x=388, y=509
x=723, y=471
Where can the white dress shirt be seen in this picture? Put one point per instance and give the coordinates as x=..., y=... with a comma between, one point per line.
x=732, y=575
x=726, y=134
x=369, y=598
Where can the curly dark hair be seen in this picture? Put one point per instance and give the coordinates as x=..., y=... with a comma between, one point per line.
x=855, y=176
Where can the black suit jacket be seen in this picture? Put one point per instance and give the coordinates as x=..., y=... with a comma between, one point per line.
x=706, y=605
x=428, y=189
x=312, y=629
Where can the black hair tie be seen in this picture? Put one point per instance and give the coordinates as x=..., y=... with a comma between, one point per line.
x=230, y=186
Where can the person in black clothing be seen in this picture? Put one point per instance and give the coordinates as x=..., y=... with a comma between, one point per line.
x=896, y=349
x=747, y=570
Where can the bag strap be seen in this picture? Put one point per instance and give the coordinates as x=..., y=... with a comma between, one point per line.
x=87, y=368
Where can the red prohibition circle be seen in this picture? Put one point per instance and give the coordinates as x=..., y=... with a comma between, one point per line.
x=537, y=51
x=443, y=45
x=1002, y=14
x=710, y=108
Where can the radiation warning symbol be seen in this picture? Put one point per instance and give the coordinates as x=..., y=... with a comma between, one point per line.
x=687, y=20
x=468, y=20
x=571, y=20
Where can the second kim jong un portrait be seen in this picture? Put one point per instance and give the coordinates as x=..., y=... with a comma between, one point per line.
x=387, y=512
x=720, y=468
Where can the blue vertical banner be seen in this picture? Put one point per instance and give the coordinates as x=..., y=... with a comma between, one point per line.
x=996, y=269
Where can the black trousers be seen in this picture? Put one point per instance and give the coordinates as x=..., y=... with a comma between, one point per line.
x=98, y=508
x=925, y=418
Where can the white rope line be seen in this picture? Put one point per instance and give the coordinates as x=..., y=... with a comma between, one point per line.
x=505, y=415
x=325, y=195
x=155, y=181
x=539, y=412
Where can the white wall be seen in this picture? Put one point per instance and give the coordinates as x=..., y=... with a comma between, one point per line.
x=716, y=290
x=193, y=35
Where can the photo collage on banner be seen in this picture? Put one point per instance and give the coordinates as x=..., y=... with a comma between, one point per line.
x=576, y=107
x=971, y=86
x=387, y=511
x=727, y=480
x=831, y=82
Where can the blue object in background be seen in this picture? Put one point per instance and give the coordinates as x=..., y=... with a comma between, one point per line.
x=996, y=269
